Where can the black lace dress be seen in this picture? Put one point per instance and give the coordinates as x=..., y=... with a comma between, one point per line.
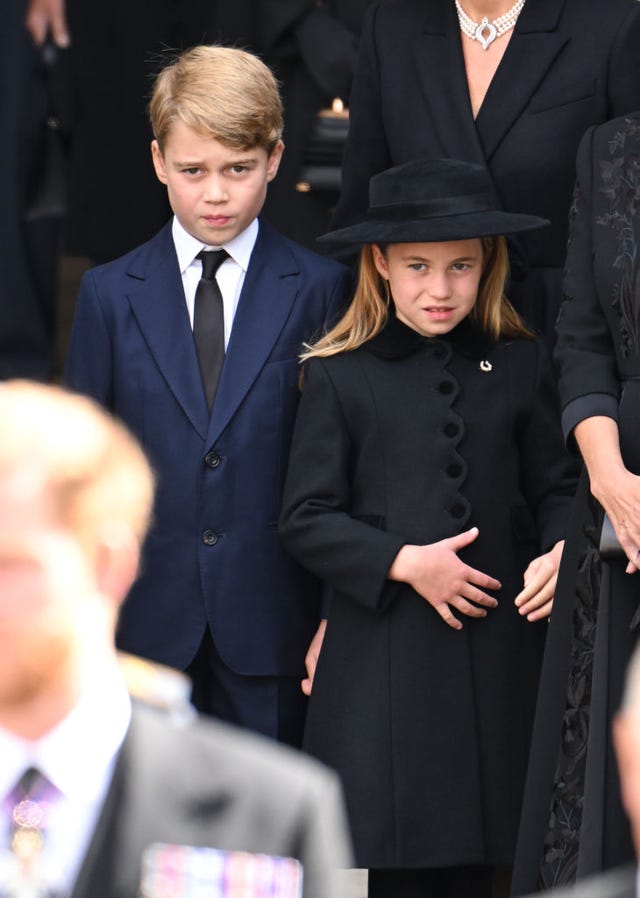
x=573, y=823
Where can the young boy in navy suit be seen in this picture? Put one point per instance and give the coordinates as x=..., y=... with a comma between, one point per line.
x=201, y=362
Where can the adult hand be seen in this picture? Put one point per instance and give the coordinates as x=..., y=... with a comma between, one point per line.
x=312, y=656
x=613, y=485
x=620, y=498
x=540, y=579
x=439, y=576
x=47, y=15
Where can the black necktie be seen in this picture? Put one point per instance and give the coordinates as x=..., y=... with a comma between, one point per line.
x=208, y=322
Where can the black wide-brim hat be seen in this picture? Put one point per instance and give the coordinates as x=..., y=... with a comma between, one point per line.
x=432, y=201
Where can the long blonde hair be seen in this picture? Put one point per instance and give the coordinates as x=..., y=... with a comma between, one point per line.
x=369, y=309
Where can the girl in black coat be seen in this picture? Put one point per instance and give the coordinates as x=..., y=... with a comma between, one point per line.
x=427, y=475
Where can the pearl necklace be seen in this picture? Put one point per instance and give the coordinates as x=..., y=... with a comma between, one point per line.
x=486, y=32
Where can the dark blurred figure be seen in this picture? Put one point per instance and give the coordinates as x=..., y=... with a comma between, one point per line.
x=312, y=47
x=116, y=48
x=28, y=248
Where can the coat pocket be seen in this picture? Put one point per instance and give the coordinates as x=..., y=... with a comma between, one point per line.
x=562, y=95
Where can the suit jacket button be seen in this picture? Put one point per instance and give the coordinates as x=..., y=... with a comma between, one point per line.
x=210, y=537
x=212, y=459
x=457, y=510
x=445, y=387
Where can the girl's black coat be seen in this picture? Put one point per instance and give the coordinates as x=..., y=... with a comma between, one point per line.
x=411, y=440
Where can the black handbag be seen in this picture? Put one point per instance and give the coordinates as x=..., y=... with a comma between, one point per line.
x=322, y=160
x=609, y=545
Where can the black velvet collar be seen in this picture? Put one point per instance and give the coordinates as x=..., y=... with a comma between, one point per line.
x=397, y=340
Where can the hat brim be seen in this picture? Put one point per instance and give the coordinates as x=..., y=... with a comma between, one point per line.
x=464, y=226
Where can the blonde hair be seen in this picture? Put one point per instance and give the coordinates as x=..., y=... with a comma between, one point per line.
x=219, y=92
x=95, y=469
x=369, y=309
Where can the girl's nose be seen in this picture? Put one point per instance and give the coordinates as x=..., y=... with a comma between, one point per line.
x=439, y=286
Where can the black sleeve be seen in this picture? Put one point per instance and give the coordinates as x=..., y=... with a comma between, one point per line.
x=584, y=351
x=353, y=556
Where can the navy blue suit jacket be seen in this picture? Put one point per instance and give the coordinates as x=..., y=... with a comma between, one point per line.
x=213, y=554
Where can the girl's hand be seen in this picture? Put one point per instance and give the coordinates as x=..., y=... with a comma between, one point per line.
x=437, y=574
x=540, y=578
x=312, y=656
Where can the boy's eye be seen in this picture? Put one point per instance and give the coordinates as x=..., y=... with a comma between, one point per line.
x=192, y=171
x=238, y=169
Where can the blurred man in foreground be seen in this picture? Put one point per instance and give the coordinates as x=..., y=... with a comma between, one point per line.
x=95, y=790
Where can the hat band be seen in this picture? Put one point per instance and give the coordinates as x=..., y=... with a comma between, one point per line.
x=458, y=205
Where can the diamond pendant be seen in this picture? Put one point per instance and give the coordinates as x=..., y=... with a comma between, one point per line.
x=486, y=25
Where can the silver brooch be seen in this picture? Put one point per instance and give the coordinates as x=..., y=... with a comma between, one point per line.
x=485, y=365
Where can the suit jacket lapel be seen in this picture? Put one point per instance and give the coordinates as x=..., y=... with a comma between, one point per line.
x=533, y=47
x=438, y=56
x=95, y=879
x=269, y=290
x=156, y=296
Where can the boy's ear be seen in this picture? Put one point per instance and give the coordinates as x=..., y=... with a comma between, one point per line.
x=158, y=162
x=273, y=162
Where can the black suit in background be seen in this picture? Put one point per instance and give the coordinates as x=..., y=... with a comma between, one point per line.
x=27, y=249
x=116, y=202
x=312, y=48
x=201, y=784
x=569, y=64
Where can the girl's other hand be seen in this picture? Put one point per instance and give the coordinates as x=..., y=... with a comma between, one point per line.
x=540, y=579
x=437, y=574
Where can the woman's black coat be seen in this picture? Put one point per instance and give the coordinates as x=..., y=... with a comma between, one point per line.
x=569, y=64
x=573, y=820
x=411, y=440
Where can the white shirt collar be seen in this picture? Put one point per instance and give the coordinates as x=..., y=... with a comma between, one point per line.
x=98, y=724
x=188, y=247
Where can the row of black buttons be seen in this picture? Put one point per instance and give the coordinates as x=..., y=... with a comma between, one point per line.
x=211, y=460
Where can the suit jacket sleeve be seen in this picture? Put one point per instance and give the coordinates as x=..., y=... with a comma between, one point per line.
x=548, y=472
x=88, y=367
x=353, y=556
x=366, y=152
x=584, y=352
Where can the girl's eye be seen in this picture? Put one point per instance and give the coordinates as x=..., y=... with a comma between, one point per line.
x=418, y=266
x=460, y=266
